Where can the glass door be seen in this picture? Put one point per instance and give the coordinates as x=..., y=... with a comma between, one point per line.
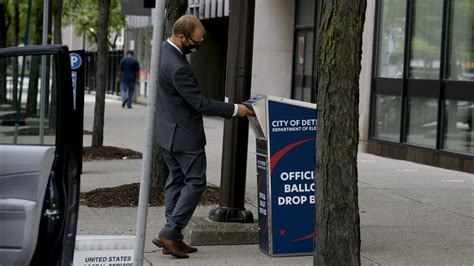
x=303, y=77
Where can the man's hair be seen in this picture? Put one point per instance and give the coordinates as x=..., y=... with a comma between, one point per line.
x=186, y=25
x=130, y=52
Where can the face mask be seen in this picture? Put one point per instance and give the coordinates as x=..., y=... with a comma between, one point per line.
x=191, y=48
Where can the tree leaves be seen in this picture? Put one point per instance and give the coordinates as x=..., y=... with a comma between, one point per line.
x=84, y=14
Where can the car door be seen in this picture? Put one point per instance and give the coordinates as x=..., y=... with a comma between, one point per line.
x=40, y=156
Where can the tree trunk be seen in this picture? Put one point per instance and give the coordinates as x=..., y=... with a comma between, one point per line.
x=3, y=44
x=57, y=39
x=160, y=171
x=32, y=96
x=102, y=33
x=57, y=13
x=16, y=41
x=339, y=49
x=174, y=10
x=35, y=64
x=3, y=23
x=48, y=59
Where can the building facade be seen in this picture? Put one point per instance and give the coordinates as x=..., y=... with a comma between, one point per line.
x=417, y=77
x=422, y=91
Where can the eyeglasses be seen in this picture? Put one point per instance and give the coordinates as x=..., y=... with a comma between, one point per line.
x=194, y=41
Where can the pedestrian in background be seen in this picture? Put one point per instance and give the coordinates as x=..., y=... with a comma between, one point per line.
x=180, y=131
x=129, y=69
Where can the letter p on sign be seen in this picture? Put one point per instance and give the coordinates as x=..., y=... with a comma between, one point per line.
x=76, y=60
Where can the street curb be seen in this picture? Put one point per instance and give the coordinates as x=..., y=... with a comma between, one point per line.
x=203, y=232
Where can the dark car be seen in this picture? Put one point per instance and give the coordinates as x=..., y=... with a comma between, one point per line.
x=40, y=155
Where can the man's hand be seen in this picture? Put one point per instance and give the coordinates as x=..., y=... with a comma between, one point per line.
x=243, y=111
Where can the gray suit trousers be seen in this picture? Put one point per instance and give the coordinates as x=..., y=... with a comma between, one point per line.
x=183, y=190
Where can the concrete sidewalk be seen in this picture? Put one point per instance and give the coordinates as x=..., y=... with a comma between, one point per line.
x=410, y=213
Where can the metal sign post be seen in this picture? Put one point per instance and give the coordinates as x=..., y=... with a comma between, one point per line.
x=142, y=212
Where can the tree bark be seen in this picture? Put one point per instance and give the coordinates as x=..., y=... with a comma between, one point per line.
x=99, y=111
x=16, y=41
x=159, y=169
x=174, y=10
x=57, y=13
x=339, y=50
x=48, y=58
x=3, y=43
x=35, y=64
x=57, y=39
x=3, y=24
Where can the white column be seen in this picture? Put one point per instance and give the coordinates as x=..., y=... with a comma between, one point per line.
x=273, y=47
x=365, y=78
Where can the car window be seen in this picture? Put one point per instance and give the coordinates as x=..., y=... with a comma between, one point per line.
x=28, y=110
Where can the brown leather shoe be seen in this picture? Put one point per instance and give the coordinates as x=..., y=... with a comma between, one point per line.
x=171, y=246
x=183, y=247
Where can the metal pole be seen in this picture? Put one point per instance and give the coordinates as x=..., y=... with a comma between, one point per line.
x=150, y=125
x=43, y=71
x=238, y=83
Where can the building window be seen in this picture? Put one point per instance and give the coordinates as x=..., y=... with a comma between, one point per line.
x=458, y=132
x=303, y=88
x=392, y=39
x=387, y=117
x=388, y=93
x=423, y=85
x=426, y=39
x=425, y=58
x=422, y=121
x=303, y=79
x=461, y=65
x=459, y=135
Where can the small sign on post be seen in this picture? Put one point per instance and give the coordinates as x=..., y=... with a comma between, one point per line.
x=76, y=63
x=104, y=250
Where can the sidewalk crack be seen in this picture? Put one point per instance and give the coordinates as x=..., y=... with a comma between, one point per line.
x=430, y=204
x=105, y=221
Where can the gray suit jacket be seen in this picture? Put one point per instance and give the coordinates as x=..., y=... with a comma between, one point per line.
x=181, y=103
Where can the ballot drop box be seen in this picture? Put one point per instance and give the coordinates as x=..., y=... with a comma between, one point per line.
x=285, y=133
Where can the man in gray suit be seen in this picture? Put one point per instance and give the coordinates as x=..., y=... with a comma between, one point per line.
x=180, y=131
